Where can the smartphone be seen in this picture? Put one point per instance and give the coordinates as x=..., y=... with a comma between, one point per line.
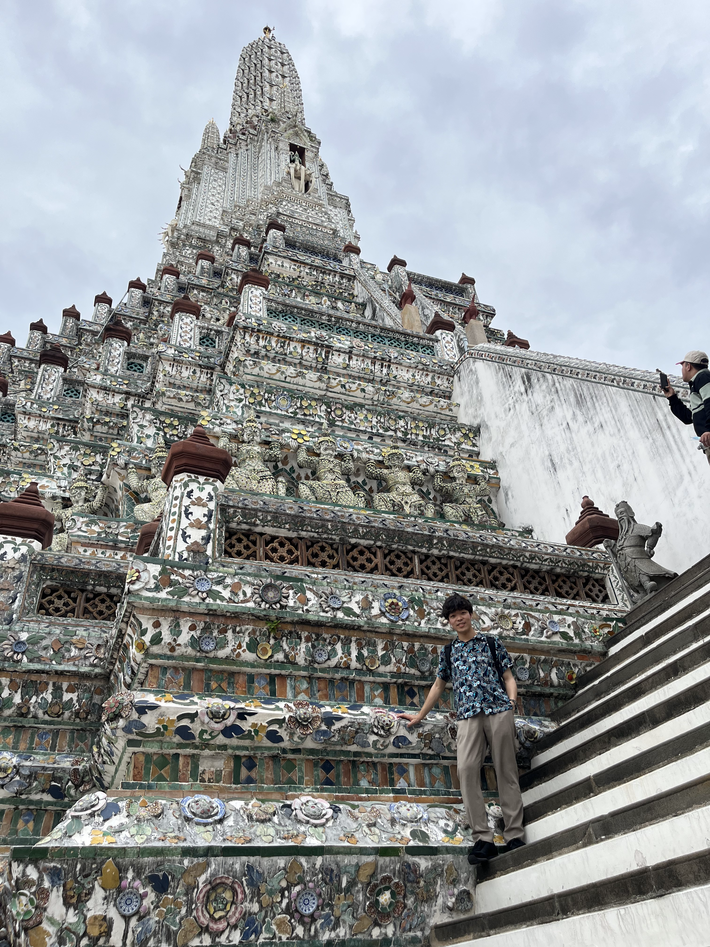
x=663, y=380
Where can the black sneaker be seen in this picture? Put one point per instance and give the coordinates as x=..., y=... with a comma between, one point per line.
x=482, y=852
x=514, y=843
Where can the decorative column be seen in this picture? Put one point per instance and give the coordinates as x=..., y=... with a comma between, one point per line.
x=275, y=231
x=26, y=518
x=7, y=344
x=204, y=263
x=184, y=314
x=253, y=287
x=71, y=318
x=116, y=338
x=169, y=276
x=52, y=365
x=35, y=340
x=351, y=254
x=194, y=473
x=411, y=317
x=474, y=328
x=592, y=527
x=469, y=286
x=102, y=307
x=240, y=250
x=136, y=288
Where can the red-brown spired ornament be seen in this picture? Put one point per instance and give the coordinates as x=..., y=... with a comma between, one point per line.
x=592, y=527
x=197, y=455
x=27, y=518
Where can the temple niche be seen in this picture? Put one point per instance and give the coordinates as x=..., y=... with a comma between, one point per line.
x=201, y=742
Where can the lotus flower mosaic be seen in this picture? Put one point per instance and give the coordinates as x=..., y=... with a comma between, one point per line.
x=312, y=810
x=219, y=904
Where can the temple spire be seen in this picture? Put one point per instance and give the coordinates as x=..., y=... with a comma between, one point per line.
x=266, y=83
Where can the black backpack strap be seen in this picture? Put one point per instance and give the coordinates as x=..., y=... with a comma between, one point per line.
x=447, y=652
x=494, y=655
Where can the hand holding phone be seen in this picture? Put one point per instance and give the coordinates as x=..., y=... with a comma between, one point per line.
x=663, y=379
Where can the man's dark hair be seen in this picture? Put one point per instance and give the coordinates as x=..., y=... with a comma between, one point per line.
x=455, y=603
x=700, y=366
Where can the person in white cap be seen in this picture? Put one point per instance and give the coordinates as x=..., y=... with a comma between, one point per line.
x=694, y=370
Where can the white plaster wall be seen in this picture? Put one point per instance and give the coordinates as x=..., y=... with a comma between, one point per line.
x=556, y=438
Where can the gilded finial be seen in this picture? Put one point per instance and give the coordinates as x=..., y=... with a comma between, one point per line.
x=268, y=30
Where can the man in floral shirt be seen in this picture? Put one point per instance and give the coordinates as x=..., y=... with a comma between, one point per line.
x=485, y=692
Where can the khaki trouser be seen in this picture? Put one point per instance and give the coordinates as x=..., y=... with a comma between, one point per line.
x=498, y=731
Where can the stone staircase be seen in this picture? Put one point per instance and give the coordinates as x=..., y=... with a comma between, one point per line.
x=617, y=802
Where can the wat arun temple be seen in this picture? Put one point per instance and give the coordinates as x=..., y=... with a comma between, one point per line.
x=233, y=503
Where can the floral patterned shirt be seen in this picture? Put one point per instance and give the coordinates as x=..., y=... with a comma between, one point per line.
x=477, y=688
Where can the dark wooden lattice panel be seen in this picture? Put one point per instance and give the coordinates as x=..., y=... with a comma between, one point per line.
x=280, y=549
x=434, y=568
x=468, y=572
x=99, y=606
x=399, y=563
x=361, y=559
x=242, y=546
x=503, y=577
x=58, y=602
x=595, y=588
x=534, y=582
x=322, y=555
x=565, y=586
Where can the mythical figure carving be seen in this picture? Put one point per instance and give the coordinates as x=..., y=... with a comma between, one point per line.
x=464, y=501
x=331, y=469
x=151, y=486
x=300, y=177
x=250, y=471
x=400, y=495
x=86, y=498
x=633, y=552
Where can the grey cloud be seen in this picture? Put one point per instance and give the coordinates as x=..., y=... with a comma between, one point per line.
x=556, y=151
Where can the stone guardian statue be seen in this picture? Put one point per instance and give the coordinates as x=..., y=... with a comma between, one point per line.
x=152, y=486
x=329, y=485
x=400, y=495
x=633, y=552
x=465, y=502
x=250, y=471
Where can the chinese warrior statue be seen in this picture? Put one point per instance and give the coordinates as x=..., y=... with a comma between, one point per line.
x=250, y=471
x=87, y=499
x=329, y=485
x=152, y=486
x=465, y=502
x=400, y=495
x=633, y=552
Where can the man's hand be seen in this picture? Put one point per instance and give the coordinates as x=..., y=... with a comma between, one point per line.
x=668, y=392
x=705, y=439
x=412, y=719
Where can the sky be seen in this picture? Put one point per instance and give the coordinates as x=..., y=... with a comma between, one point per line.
x=556, y=150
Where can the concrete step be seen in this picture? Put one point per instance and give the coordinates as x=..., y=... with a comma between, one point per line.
x=692, y=663
x=663, y=907
x=681, y=706
x=612, y=675
x=673, y=826
x=661, y=759
x=682, y=587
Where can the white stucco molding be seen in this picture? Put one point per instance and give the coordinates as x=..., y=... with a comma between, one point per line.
x=600, y=373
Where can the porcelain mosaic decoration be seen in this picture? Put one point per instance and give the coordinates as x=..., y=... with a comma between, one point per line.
x=262, y=496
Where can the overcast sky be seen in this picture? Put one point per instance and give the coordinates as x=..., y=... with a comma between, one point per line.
x=556, y=150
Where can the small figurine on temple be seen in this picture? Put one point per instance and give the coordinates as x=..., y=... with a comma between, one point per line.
x=250, y=471
x=330, y=485
x=152, y=486
x=465, y=502
x=86, y=499
x=633, y=552
x=400, y=495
